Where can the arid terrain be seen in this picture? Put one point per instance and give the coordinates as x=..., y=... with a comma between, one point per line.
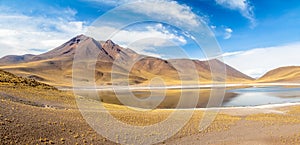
x=283, y=74
x=33, y=112
x=55, y=67
x=36, y=113
x=149, y=72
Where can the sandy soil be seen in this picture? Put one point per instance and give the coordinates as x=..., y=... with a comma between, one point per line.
x=262, y=125
x=24, y=119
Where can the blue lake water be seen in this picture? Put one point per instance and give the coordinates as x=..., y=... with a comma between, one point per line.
x=263, y=96
x=254, y=96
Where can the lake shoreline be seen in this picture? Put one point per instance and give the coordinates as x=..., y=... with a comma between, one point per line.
x=204, y=86
x=269, y=106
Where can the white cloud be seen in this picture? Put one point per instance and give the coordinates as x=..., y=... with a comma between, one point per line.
x=213, y=27
x=228, y=33
x=157, y=31
x=22, y=34
x=161, y=9
x=142, y=41
x=231, y=53
x=228, y=30
x=167, y=10
x=256, y=62
x=243, y=6
x=112, y=2
x=233, y=4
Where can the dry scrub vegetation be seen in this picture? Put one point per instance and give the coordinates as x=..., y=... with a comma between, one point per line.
x=9, y=79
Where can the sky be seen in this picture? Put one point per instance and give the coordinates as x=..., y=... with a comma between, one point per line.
x=254, y=35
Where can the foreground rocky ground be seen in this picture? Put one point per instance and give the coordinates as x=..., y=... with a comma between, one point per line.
x=40, y=114
x=30, y=122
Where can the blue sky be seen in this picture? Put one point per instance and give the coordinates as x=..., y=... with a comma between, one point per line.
x=250, y=32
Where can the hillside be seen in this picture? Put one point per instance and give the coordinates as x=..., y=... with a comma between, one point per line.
x=10, y=79
x=11, y=59
x=289, y=74
x=55, y=67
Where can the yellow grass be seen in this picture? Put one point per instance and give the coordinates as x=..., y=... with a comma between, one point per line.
x=24, y=110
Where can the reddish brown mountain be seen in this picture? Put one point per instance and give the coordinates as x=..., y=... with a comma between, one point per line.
x=55, y=67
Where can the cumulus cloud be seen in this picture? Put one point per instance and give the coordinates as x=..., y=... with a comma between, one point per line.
x=222, y=31
x=256, y=62
x=228, y=33
x=213, y=27
x=243, y=6
x=110, y=2
x=22, y=34
x=152, y=37
x=167, y=10
x=164, y=9
x=156, y=31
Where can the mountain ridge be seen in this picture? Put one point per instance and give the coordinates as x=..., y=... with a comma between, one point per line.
x=55, y=66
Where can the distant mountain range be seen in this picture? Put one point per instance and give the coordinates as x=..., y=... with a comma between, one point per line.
x=55, y=67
